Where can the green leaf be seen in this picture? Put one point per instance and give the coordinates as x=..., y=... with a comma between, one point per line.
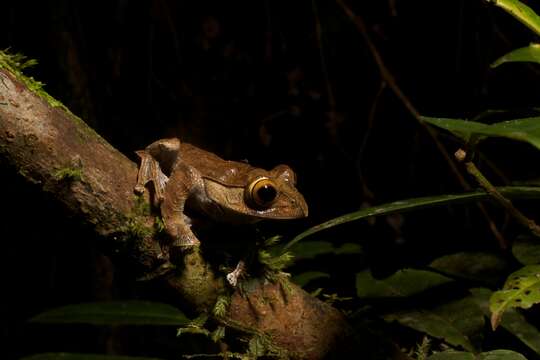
x=526, y=250
x=73, y=356
x=453, y=355
x=501, y=355
x=458, y=323
x=512, y=320
x=349, y=248
x=116, y=312
x=512, y=192
x=311, y=249
x=436, y=326
x=476, y=266
x=522, y=289
x=490, y=355
x=304, y=278
x=529, y=53
x=463, y=129
x=525, y=129
x=403, y=283
x=520, y=11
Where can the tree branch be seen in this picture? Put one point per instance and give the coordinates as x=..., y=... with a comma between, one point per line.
x=51, y=147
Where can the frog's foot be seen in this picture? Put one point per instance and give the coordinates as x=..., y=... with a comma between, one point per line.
x=187, y=240
x=139, y=189
x=239, y=272
x=178, y=226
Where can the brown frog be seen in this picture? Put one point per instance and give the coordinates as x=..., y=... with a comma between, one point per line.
x=186, y=177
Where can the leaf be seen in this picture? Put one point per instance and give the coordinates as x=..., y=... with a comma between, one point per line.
x=529, y=53
x=512, y=192
x=117, y=312
x=349, y=248
x=520, y=11
x=458, y=323
x=512, y=320
x=525, y=129
x=403, y=283
x=522, y=289
x=527, y=250
x=453, y=355
x=73, y=356
x=463, y=129
x=304, y=278
x=311, y=249
x=433, y=325
x=478, y=266
x=501, y=355
x=490, y=355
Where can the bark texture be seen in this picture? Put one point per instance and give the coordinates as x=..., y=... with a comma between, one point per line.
x=51, y=147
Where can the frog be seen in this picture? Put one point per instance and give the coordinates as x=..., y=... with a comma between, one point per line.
x=186, y=178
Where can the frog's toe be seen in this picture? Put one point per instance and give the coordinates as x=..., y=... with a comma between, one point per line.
x=239, y=272
x=186, y=241
x=139, y=189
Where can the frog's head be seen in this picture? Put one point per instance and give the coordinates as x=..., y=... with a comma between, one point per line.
x=263, y=195
x=273, y=194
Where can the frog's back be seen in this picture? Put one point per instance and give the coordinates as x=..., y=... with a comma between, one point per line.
x=211, y=166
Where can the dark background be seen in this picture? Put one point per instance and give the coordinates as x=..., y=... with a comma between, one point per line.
x=253, y=80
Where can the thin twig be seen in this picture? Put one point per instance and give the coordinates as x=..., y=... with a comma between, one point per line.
x=493, y=192
x=390, y=80
x=324, y=67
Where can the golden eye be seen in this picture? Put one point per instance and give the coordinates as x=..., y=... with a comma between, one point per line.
x=262, y=192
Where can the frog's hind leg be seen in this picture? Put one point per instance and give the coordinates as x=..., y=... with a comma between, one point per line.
x=150, y=171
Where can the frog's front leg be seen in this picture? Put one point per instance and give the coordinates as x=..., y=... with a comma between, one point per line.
x=182, y=183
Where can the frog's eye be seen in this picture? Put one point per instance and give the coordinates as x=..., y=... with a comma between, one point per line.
x=261, y=193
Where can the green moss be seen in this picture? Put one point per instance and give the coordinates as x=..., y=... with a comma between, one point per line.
x=68, y=174
x=218, y=334
x=136, y=229
x=159, y=225
x=15, y=64
x=221, y=306
x=262, y=345
x=275, y=263
x=142, y=207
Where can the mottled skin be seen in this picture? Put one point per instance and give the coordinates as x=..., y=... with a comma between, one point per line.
x=185, y=176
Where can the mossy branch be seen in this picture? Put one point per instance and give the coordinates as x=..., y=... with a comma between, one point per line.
x=40, y=138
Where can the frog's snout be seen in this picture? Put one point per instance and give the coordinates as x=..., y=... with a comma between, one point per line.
x=303, y=207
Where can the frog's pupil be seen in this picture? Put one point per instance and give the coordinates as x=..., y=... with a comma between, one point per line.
x=266, y=193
